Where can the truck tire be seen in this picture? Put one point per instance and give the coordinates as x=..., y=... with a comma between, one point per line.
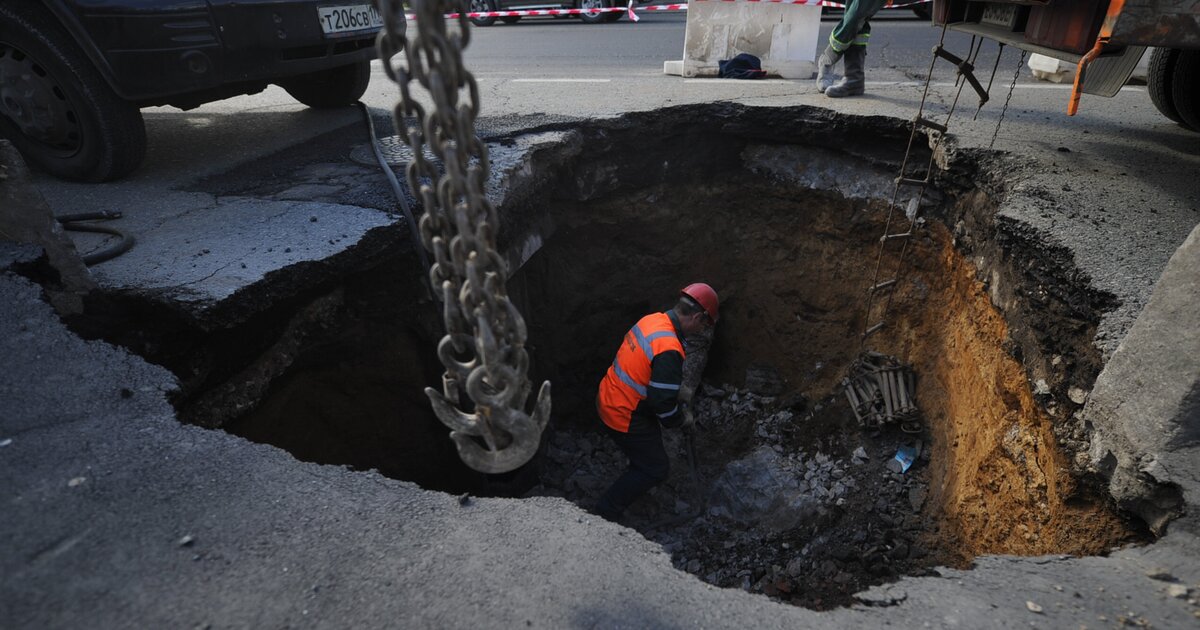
x=1158, y=81
x=1185, y=88
x=55, y=106
x=335, y=87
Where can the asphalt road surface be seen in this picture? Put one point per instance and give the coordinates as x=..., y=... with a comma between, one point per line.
x=117, y=515
x=567, y=48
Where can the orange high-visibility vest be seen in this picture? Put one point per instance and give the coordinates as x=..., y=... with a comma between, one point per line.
x=625, y=384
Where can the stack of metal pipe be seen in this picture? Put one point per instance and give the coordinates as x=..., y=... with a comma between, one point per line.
x=881, y=390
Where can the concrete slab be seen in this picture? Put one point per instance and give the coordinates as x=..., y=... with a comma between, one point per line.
x=1145, y=408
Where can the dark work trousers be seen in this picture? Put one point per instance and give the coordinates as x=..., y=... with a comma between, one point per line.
x=648, y=467
x=855, y=25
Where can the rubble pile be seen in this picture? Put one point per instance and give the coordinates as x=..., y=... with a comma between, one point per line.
x=795, y=503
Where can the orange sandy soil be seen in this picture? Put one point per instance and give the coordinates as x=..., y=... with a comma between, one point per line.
x=998, y=476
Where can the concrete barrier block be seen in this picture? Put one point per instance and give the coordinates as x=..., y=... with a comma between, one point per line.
x=783, y=36
x=1050, y=69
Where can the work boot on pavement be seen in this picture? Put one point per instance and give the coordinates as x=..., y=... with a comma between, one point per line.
x=855, y=81
x=825, y=63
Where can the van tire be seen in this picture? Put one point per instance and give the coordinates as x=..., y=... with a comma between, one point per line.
x=66, y=120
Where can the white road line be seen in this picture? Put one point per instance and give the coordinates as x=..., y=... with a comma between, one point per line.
x=1019, y=86
x=715, y=81
x=562, y=80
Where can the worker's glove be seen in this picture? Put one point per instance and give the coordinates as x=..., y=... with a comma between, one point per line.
x=689, y=420
x=685, y=394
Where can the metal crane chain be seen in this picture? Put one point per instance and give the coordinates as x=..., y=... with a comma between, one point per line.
x=1011, y=87
x=484, y=346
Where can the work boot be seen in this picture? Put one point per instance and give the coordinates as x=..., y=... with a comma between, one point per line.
x=825, y=63
x=855, y=81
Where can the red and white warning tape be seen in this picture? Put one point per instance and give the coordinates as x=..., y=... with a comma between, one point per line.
x=633, y=10
x=828, y=3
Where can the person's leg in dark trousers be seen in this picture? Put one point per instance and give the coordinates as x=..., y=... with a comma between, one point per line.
x=855, y=25
x=648, y=467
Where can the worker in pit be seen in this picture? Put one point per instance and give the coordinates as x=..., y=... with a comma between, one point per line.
x=640, y=393
x=848, y=42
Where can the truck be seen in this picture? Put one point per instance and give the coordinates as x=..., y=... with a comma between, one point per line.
x=1104, y=39
x=74, y=74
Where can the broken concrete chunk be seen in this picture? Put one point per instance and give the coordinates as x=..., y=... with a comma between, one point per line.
x=916, y=497
x=1178, y=591
x=882, y=596
x=1077, y=395
x=796, y=566
x=1156, y=470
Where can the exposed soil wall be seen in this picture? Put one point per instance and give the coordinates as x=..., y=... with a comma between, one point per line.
x=791, y=265
x=1000, y=479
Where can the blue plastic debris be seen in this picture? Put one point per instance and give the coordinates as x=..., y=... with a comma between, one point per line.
x=903, y=459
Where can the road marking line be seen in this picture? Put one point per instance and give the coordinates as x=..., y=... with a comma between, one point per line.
x=711, y=81
x=562, y=80
x=1019, y=86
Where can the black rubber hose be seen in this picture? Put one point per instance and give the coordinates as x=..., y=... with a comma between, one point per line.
x=73, y=223
x=401, y=199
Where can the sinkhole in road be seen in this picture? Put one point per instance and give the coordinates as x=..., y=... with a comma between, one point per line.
x=791, y=497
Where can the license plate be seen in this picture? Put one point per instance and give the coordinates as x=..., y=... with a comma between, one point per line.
x=999, y=14
x=349, y=19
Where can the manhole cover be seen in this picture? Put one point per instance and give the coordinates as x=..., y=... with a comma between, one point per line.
x=394, y=150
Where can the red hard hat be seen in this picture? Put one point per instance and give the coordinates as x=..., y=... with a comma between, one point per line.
x=704, y=296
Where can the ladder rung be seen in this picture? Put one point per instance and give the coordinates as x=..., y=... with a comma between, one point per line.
x=891, y=236
x=912, y=182
x=929, y=124
x=870, y=331
x=947, y=55
x=882, y=285
x=966, y=70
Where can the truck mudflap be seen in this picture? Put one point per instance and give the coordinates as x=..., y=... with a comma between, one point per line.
x=1109, y=72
